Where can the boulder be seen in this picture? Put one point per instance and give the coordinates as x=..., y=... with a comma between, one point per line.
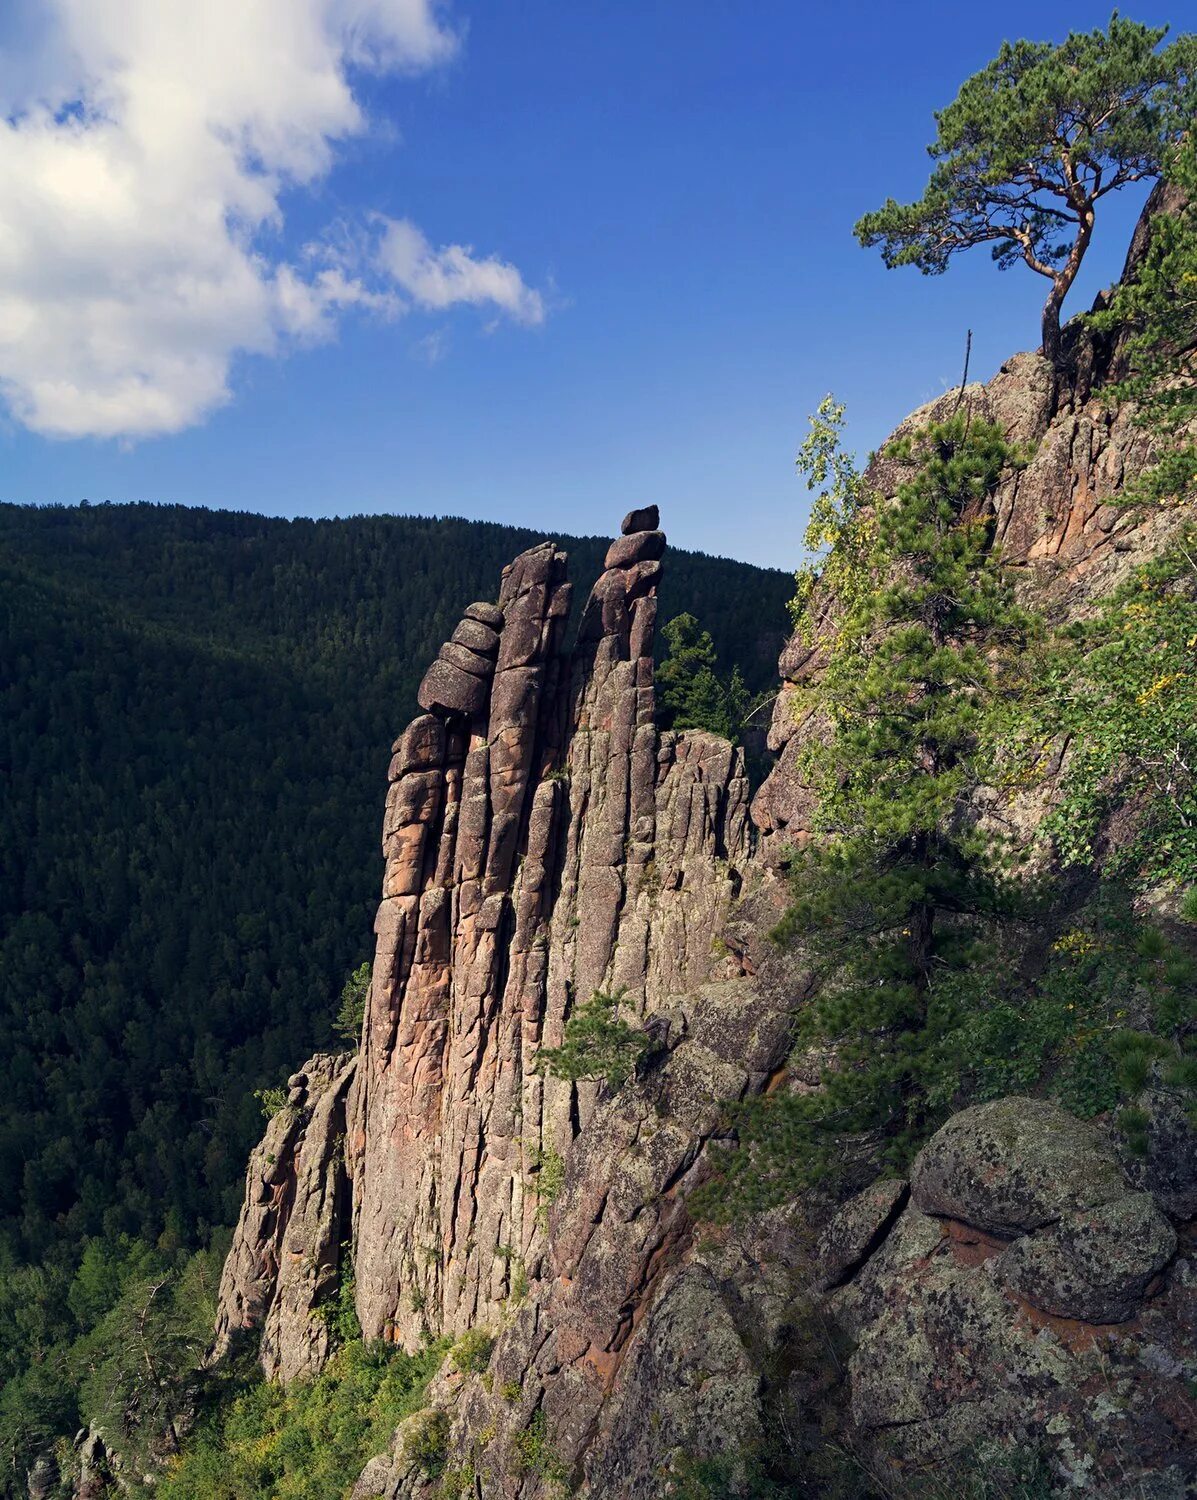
x=486, y=614
x=1096, y=1265
x=1168, y=1167
x=647, y=518
x=1014, y=1165
x=446, y=689
x=639, y=546
x=477, y=637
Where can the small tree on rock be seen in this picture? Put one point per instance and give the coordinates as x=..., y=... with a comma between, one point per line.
x=691, y=693
x=1030, y=146
x=352, y=1009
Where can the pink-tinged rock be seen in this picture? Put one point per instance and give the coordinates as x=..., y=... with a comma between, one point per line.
x=640, y=546
x=476, y=636
x=446, y=689
x=468, y=661
x=487, y=614
x=285, y=1257
x=422, y=744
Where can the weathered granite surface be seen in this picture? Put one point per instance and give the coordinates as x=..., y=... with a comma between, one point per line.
x=1026, y=1291
x=286, y=1250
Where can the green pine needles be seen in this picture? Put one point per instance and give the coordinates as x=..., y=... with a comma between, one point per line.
x=351, y=1011
x=1121, y=687
x=893, y=901
x=691, y=693
x=1033, y=143
x=598, y=1044
x=1157, y=310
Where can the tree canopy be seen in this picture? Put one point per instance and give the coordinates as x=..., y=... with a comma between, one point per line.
x=1031, y=145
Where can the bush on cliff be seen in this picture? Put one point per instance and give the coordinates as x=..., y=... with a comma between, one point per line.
x=1156, y=310
x=309, y=1440
x=894, y=900
x=598, y=1043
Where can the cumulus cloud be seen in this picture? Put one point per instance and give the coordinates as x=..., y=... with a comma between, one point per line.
x=440, y=278
x=142, y=165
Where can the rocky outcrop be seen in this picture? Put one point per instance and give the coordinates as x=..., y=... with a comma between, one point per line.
x=536, y=836
x=1056, y=521
x=286, y=1254
x=1025, y=1290
x=543, y=840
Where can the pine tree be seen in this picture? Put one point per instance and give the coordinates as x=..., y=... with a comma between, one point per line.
x=1031, y=145
x=690, y=692
x=890, y=898
x=1157, y=308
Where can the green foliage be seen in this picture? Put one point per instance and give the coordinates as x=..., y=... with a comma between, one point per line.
x=310, y=1440
x=471, y=1353
x=721, y=1477
x=690, y=692
x=838, y=529
x=192, y=708
x=426, y=1442
x=340, y=1310
x=1030, y=146
x=893, y=902
x=531, y=1453
x=115, y=1344
x=1122, y=688
x=1157, y=309
x=352, y=1010
x=273, y=1101
x=459, y=1482
x=1111, y=1007
x=597, y=1044
x=548, y=1179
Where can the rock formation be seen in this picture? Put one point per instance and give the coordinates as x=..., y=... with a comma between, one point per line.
x=283, y=1262
x=543, y=840
x=537, y=834
x=1019, y=1291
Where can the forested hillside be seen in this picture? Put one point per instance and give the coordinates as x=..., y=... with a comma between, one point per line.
x=197, y=712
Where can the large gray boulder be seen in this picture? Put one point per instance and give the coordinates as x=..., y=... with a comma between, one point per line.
x=1095, y=1265
x=1014, y=1165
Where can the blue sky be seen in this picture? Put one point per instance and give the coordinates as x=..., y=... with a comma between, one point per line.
x=671, y=188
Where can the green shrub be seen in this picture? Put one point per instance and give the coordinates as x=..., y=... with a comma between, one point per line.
x=309, y=1440
x=352, y=1009
x=272, y=1101
x=531, y=1453
x=471, y=1353
x=340, y=1310
x=426, y=1441
x=598, y=1044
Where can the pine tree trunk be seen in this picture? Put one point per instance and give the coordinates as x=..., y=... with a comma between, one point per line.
x=1052, y=340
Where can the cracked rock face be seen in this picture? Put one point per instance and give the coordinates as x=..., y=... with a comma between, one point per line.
x=1025, y=1290
x=537, y=836
x=543, y=840
x=1057, y=522
x=285, y=1254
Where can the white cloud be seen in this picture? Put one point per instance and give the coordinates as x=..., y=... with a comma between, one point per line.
x=440, y=278
x=141, y=168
